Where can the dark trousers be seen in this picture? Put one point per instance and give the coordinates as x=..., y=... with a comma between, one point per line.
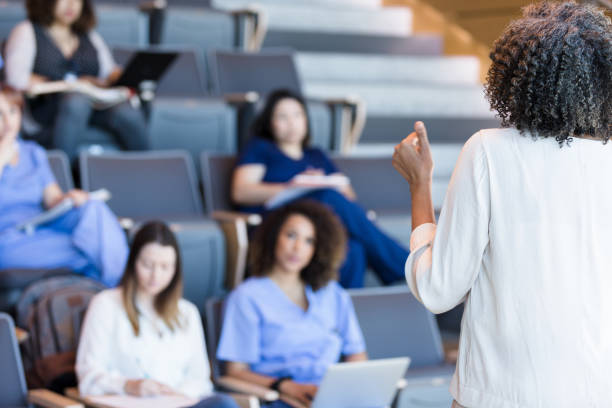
x=367, y=245
x=75, y=114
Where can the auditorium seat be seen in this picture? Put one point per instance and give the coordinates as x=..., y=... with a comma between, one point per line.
x=407, y=329
x=336, y=122
x=122, y=25
x=163, y=185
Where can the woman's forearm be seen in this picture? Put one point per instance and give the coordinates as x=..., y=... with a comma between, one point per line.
x=245, y=374
x=422, y=205
x=256, y=193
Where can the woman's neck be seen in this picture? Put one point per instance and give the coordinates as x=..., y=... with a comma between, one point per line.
x=286, y=279
x=60, y=31
x=145, y=301
x=295, y=151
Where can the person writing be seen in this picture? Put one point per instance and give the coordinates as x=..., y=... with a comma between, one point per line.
x=286, y=324
x=141, y=338
x=525, y=229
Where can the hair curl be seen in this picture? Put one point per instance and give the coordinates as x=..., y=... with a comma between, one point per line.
x=330, y=242
x=552, y=72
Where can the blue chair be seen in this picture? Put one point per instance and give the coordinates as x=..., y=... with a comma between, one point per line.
x=395, y=324
x=13, y=390
x=163, y=185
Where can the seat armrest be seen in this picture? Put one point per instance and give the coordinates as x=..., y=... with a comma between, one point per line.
x=245, y=401
x=350, y=117
x=244, y=387
x=231, y=216
x=49, y=399
x=255, y=26
x=241, y=98
x=151, y=5
x=235, y=230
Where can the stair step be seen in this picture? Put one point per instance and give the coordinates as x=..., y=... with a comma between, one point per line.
x=344, y=68
x=369, y=4
x=422, y=44
x=287, y=16
x=415, y=99
x=385, y=129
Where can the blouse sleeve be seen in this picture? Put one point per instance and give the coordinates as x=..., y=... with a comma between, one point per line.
x=95, y=347
x=348, y=326
x=240, y=336
x=255, y=152
x=105, y=58
x=196, y=382
x=445, y=260
x=20, y=53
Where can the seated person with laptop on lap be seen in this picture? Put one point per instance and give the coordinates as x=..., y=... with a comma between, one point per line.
x=287, y=324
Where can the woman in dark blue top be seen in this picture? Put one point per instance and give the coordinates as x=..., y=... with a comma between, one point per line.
x=269, y=165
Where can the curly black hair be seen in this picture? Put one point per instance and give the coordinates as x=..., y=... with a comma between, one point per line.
x=552, y=72
x=330, y=242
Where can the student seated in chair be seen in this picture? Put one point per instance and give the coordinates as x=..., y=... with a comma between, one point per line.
x=86, y=239
x=284, y=326
x=142, y=339
x=273, y=162
x=58, y=43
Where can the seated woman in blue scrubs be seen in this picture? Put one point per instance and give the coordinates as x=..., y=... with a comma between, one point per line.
x=277, y=154
x=285, y=325
x=87, y=239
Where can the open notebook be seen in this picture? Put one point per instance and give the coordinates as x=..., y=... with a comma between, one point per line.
x=125, y=401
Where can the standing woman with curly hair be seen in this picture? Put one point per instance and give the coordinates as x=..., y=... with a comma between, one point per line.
x=291, y=320
x=525, y=231
x=58, y=43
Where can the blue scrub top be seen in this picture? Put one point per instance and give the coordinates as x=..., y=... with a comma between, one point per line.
x=262, y=327
x=281, y=168
x=22, y=186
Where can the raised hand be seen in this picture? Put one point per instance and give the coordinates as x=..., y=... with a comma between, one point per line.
x=412, y=157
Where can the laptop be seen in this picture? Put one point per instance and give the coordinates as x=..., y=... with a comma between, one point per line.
x=364, y=384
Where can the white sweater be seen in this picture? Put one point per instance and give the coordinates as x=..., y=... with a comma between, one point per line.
x=109, y=353
x=526, y=234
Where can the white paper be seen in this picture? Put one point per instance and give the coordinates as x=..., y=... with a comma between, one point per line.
x=125, y=401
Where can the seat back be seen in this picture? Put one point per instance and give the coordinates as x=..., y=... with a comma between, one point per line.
x=144, y=184
x=194, y=125
x=373, y=178
x=217, y=173
x=13, y=386
x=11, y=14
x=214, y=323
x=122, y=25
x=182, y=79
x=58, y=161
x=241, y=72
x=395, y=324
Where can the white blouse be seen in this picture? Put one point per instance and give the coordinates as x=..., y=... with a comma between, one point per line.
x=109, y=353
x=524, y=237
x=21, y=53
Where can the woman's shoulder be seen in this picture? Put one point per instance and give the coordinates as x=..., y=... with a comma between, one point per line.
x=32, y=149
x=188, y=309
x=24, y=28
x=109, y=300
x=332, y=290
